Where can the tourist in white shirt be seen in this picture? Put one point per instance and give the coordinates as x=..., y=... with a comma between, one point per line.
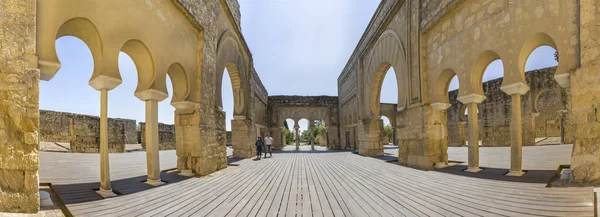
x=269, y=145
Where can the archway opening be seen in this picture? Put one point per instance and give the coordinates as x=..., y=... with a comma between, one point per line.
x=389, y=88
x=492, y=107
x=548, y=108
x=320, y=134
x=387, y=133
x=289, y=131
x=303, y=131
x=228, y=108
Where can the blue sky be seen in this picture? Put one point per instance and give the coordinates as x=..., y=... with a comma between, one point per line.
x=299, y=48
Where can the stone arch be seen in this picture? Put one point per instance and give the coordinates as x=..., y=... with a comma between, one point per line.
x=537, y=98
x=144, y=63
x=536, y=40
x=229, y=55
x=179, y=81
x=442, y=83
x=79, y=27
x=478, y=69
x=387, y=52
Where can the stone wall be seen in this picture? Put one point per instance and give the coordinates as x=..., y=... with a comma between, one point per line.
x=19, y=104
x=541, y=107
x=228, y=137
x=57, y=126
x=323, y=108
x=166, y=136
x=584, y=93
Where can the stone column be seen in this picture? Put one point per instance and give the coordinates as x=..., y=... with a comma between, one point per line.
x=296, y=129
x=516, y=129
x=473, y=129
x=462, y=131
x=104, y=84
x=151, y=98
x=105, y=187
x=152, y=155
x=311, y=128
x=442, y=132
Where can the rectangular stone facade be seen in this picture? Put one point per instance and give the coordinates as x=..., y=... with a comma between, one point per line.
x=542, y=109
x=166, y=136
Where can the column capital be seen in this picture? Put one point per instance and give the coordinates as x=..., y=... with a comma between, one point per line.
x=440, y=106
x=516, y=88
x=471, y=98
x=151, y=95
x=563, y=79
x=183, y=105
x=104, y=82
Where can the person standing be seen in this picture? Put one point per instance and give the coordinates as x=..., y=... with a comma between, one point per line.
x=269, y=144
x=259, y=146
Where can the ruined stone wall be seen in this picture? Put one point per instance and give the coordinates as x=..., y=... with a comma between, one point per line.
x=584, y=103
x=310, y=107
x=228, y=137
x=57, y=126
x=208, y=154
x=19, y=104
x=166, y=136
x=542, y=104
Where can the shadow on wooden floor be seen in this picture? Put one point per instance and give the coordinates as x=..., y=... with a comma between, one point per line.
x=84, y=192
x=531, y=176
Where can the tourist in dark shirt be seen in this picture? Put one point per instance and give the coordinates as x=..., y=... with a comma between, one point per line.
x=259, y=145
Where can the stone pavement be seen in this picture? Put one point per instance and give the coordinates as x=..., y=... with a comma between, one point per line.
x=314, y=183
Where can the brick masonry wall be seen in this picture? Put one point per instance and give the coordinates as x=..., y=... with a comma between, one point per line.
x=166, y=136
x=495, y=112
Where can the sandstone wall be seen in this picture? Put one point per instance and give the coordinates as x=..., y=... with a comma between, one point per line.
x=57, y=126
x=310, y=107
x=166, y=136
x=541, y=107
x=19, y=104
x=585, y=92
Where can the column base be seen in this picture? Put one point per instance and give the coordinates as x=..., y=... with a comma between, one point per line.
x=473, y=169
x=515, y=173
x=154, y=182
x=186, y=173
x=45, y=200
x=440, y=165
x=106, y=193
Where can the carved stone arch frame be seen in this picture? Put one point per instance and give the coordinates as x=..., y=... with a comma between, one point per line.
x=387, y=52
x=230, y=56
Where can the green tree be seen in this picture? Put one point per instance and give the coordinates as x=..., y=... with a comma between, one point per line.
x=387, y=130
x=289, y=136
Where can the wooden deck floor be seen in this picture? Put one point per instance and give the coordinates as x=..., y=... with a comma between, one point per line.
x=327, y=183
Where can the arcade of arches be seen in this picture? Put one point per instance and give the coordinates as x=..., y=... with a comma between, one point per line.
x=427, y=42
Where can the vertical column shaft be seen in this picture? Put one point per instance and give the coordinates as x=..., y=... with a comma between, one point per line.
x=473, y=131
x=104, y=165
x=297, y=137
x=152, y=157
x=516, y=137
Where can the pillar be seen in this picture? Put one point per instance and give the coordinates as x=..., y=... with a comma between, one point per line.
x=370, y=141
x=516, y=138
x=471, y=102
x=105, y=187
x=152, y=155
x=440, y=132
x=296, y=129
x=151, y=98
x=242, y=137
x=311, y=130
x=516, y=128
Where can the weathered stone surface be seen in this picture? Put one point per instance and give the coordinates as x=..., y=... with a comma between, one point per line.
x=83, y=131
x=312, y=108
x=19, y=107
x=542, y=109
x=166, y=136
